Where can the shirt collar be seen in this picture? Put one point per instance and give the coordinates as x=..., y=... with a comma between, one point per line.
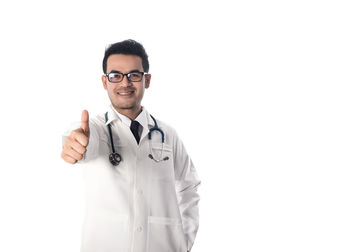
x=143, y=118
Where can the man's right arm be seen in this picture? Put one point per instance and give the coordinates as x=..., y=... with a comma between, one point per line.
x=76, y=143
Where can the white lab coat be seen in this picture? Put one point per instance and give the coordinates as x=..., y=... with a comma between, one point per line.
x=139, y=205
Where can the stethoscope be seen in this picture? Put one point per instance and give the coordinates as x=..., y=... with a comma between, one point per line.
x=115, y=158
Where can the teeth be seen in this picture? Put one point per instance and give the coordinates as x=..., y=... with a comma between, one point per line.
x=126, y=93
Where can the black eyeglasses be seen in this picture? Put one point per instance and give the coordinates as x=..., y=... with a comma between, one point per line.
x=116, y=77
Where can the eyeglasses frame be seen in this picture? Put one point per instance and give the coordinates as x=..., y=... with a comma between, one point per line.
x=127, y=76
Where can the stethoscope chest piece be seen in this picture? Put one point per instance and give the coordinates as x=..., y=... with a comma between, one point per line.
x=115, y=158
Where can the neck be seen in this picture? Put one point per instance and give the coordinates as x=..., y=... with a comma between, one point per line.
x=130, y=113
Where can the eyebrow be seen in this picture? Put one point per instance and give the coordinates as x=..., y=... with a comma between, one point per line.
x=132, y=71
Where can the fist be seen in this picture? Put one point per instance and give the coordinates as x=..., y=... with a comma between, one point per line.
x=75, y=146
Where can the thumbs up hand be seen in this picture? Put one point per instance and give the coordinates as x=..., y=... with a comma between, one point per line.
x=75, y=146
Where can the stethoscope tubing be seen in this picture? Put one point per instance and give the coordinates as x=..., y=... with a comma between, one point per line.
x=110, y=133
x=116, y=158
x=155, y=128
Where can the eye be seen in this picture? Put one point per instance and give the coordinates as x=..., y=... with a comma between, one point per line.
x=134, y=75
x=115, y=77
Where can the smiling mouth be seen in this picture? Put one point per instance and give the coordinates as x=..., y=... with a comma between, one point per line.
x=124, y=93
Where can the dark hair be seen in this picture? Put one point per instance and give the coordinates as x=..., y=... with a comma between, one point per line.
x=127, y=47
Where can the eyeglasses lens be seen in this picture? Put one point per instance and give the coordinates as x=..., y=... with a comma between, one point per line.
x=118, y=77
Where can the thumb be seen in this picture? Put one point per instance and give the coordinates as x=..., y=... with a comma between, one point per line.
x=85, y=122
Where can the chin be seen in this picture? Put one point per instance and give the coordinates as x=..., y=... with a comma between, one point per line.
x=125, y=106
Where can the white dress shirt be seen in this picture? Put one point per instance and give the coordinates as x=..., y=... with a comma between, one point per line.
x=141, y=119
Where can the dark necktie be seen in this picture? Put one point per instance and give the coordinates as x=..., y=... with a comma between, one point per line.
x=135, y=130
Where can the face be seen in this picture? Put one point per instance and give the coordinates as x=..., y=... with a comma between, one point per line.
x=125, y=95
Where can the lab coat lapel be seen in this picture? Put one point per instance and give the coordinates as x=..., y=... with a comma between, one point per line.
x=116, y=122
x=111, y=115
x=150, y=125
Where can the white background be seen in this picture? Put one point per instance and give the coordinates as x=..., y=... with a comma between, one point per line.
x=257, y=90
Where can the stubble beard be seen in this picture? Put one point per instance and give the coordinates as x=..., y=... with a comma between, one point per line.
x=118, y=105
x=129, y=106
x=126, y=107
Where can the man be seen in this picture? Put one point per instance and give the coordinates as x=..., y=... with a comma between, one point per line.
x=141, y=189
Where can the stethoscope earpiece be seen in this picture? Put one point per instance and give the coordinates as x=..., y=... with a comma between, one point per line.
x=164, y=159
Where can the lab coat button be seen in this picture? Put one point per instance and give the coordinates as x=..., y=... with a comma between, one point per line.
x=140, y=192
x=139, y=229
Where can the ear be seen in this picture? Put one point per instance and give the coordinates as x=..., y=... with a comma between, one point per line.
x=148, y=80
x=104, y=82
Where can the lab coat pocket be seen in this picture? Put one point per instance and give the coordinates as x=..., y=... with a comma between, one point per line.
x=164, y=169
x=165, y=235
x=105, y=232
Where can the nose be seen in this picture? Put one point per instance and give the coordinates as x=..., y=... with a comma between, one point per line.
x=125, y=82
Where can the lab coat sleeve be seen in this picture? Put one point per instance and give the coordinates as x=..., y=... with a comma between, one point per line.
x=92, y=148
x=186, y=183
